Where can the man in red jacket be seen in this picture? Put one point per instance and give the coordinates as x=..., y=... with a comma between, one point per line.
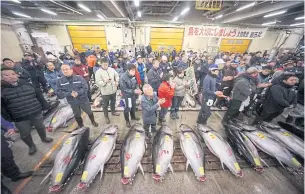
x=166, y=91
x=82, y=70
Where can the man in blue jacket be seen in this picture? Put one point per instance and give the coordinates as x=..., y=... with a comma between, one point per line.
x=52, y=75
x=141, y=69
x=75, y=88
x=209, y=94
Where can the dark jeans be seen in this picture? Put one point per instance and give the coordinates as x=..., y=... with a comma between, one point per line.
x=89, y=91
x=163, y=112
x=204, y=113
x=130, y=109
x=150, y=127
x=232, y=111
x=25, y=127
x=8, y=165
x=77, y=109
x=106, y=99
x=90, y=69
x=177, y=100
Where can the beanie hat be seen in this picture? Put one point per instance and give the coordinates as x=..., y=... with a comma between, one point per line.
x=213, y=67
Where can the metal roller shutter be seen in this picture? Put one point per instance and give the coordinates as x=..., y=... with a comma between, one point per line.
x=167, y=38
x=234, y=45
x=84, y=37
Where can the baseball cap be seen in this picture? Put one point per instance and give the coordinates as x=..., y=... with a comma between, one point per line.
x=213, y=67
x=139, y=56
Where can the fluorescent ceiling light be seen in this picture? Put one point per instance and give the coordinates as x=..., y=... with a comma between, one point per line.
x=175, y=19
x=299, y=18
x=16, y=1
x=246, y=6
x=100, y=16
x=21, y=14
x=217, y=17
x=297, y=24
x=275, y=13
x=49, y=12
x=139, y=14
x=185, y=10
x=84, y=7
x=137, y=3
x=268, y=23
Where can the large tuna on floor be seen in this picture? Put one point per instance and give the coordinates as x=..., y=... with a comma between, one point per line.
x=132, y=152
x=59, y=118
x=68, y=159
x=244, y=146
x=274, y=148
x=220, y=148
x=193, y=151
x=162, y=152
x=100, y=152
x=292, y=142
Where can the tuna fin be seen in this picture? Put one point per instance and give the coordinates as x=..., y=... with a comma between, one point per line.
x=187, y=165
x=102, y=170
x=65, y=123
x=222, y=165
x=264, y=162
x=141, y=168
x=281, y=164
x=171, y=167
x=46, y=177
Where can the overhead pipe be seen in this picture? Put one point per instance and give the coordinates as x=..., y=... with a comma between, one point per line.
x=117, y=8
x=66, y=7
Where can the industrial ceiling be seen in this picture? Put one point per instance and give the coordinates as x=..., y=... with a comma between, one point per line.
x=249, y=13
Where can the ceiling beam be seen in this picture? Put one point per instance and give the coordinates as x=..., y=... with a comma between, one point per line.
x=115, y=4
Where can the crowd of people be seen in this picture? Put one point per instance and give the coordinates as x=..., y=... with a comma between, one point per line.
x=227, y=79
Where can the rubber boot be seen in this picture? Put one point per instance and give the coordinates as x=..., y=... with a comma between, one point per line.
x=79, y=121
x=29, y=142
x=92, y=120
x=5, y=190
x=43, y=136
x=133, y=116
x=22, y=176
x=107, y=120
x=115, y=113
x=160, y=121
x=126, y=116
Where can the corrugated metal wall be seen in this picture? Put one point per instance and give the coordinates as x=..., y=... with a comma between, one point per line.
x=234, y=45
x=167, y=38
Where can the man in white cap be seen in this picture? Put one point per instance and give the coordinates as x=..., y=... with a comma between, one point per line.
x=164, y=65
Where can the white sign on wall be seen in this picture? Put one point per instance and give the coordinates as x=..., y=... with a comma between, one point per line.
x=225, y=32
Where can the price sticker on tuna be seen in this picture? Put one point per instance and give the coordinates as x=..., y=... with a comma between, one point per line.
x=286, y=134
x=201, y=170
x=236, y=165
x=58, y=177
x=167, y=138
x=257, y=162
x=137, y=136
x=84, y=176
x=158, y=168
x=105, y=138
x=297, y=163
x=126, y=171
x=260, y=135
x=68, y=141
x=187, y=136
x=212, y=136
x=54, y=120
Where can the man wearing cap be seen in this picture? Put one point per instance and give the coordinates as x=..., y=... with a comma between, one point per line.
x=209, y=94
x=174, y=53
x=244, y=86
x=141, y=69
x=175, y=62
x=130, y=90
x=149, y=49
x=154, y=76
x=256, y=59
x=149, y=63
x=164, y=65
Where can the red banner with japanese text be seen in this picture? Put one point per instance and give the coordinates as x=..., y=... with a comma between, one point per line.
x=225, y=32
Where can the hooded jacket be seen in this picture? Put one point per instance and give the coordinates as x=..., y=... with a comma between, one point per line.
x=243, y=87
x=165, y=91
x=52, y=77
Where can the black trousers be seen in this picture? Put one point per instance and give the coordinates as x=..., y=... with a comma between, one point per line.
x=130, y=107
x=177, y=100
x=25, y=127
x=8, y=165
x=45, y=105
x=90, y=69
x=204, y=113
x=77, y=109
x=89, y=91
x=106, y=99
x=232, y=111
x=150, y=128
x=266, y=116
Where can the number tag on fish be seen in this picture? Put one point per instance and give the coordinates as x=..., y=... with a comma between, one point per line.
x=212, y=136
x=54, y=120
x=68, y=141
x=236, y=165
x=286, y=134
x=257, y=162
x=126, y=171
x=166, y=138
x=260, y=135
x=201, y=170
x=187, y=136
x=105, y=138
x=158, y=168
x=297, y=163
x=58, y=177
x=137, y=136
x=84, y=176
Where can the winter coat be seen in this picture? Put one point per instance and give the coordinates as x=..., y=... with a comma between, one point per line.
x=262, y=78
x=20, y=102
x=128, y=84
x=149, y=49
x=180, y=86
x=101, y=78
x=154, y=79
x=142, y=70
x=91, y=60
x=243, y=87
x=209, y=87
x=229, y=72
x=149, y=109
x=65, y=86
x=241, y=69
x=81, y=70
x=165, y=67
x=166, y=92
x=301, y=92
x=149, y=65
x=279, y=97
x=52, y=77
x=35, y=72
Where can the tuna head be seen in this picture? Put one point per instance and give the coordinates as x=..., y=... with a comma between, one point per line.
x=269, y=125
x=185, y=128
x=137, y=127
x=204, y=128
x=166, y=129
x=112, y=129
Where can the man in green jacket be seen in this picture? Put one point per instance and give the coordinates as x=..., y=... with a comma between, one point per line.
x=107, y=80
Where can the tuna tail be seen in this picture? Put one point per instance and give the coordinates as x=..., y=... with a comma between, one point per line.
x=281, y=163
x=45, y=178
x=102, y=170
x=141, y=168
x=187, y=165
x=264, y=162
x=171, y=167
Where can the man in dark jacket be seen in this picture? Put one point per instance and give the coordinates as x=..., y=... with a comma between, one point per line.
x=209, y=94
x=130, y=90
x=154, y=76
x=256, y=59
x=75, y=88
x=52, y=75
x=19, y=103
x=149, y=62
x=174, y=53
x=22, y=73
x=244, y=86
x=175, y=63
x=149, y=49
x=164, y=65
x=279, y=97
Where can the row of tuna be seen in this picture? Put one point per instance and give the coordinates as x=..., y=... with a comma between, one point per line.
x=270, y=139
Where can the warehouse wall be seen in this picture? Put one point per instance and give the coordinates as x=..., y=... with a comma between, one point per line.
x=114, y=36
x=266, y=43
x=10, y=44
